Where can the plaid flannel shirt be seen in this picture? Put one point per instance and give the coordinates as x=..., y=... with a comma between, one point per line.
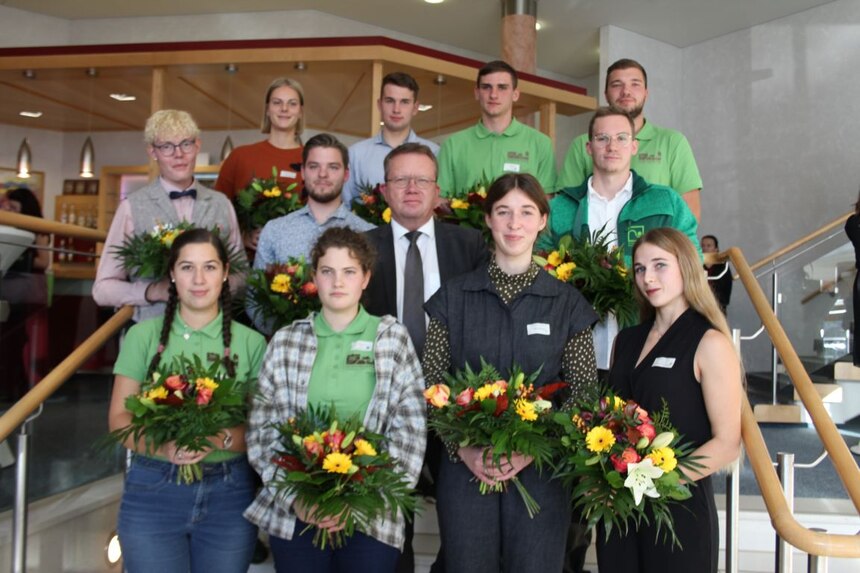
x=396, y=410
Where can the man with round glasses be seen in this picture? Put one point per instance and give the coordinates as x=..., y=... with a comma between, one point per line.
x=664, y=155
x=172, y=142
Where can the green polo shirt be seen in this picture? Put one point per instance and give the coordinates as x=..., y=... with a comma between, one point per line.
x=141, y=343
x=476, y=154
x=664, y=158
x=343, y=374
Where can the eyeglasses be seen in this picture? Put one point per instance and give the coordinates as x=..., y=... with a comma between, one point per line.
x=169, y=149
x=422, y=183
x=603, y=139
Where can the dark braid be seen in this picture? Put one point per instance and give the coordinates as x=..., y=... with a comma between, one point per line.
x=226, y=300
x=169, y=314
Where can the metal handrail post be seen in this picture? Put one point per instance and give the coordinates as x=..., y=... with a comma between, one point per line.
x=816, y=563
x=19, y=515
x=774, y=357
x=733, y=491
x=785, y=469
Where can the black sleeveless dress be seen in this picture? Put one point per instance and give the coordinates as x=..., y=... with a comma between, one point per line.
x=672, y=379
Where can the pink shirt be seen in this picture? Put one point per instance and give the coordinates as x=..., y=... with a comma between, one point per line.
x=112, y=287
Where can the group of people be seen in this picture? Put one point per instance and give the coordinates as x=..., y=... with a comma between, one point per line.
x=402, y=305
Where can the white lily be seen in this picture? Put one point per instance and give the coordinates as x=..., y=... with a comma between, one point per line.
x=640, y=479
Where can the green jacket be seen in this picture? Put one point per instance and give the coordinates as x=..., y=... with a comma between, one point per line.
x=649, y=207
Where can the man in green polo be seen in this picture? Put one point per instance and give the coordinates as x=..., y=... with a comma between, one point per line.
x=498, y=143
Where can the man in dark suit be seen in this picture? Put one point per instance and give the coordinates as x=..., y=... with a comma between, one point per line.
x=443, y=252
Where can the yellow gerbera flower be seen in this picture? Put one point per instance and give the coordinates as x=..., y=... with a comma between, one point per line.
x=564, y=271
x=526, y=410
x=386, y=215
x=459, y=204
x=157, y=393
x=281, y=283
x=206, y=383
x=482, y=192
x=554, y=258
x=168, y=238
x=664, y=458
x=274, y=192
x=337, y=463
x=364, y=448
x=599, y=439
x=487, y=390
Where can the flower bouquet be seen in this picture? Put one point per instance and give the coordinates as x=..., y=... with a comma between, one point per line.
x=597, y=271
x=187, y=403
x=262, y=200
x=145, y=255
x=283, y=292
x=504, y=416
x=466, y=208
x=617, y=456
x=339, y=469
x=371, y=206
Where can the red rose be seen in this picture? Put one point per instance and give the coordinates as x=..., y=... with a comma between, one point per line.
x=292, y=270
x=369, y=199
x=465, y=397
x=290, y=463
x=203, y=395
x=647, y=431
x=175, y=382
x=628, y=456
x=501, y=405
x=309, y=289
x=313, y=448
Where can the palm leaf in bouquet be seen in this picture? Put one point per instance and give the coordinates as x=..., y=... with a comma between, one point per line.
x=625, y=466
x=263, y=200
x=185, y=402
x=145, y=255
x=597, y=270
x=283, y=292
x=505, y=416
x=371, y=206
x=337, y=468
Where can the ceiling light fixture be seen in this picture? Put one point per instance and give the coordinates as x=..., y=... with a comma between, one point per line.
x=29, y=74
x=434, y=1
x=538, y=26
x=123, y=97
x=30, y=113
x=25, y=159
x=300, y=66
x=424, y=107
x=440, y=80
x=88, y=152
x=227, y=147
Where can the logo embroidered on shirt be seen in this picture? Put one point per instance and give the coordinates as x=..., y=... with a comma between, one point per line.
x=634, y=232
x=358, y=359
x=518, y=156
x=652, y=157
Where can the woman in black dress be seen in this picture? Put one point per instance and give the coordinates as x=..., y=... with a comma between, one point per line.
x=852, y=229
x=681, y=353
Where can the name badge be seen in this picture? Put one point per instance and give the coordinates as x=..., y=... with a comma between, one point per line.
x=362, y=346
x=287, y=174
x=538, y=328
x=511, y=168
x=663, y=362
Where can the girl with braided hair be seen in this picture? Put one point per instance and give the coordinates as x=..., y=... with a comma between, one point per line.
x=164, y=525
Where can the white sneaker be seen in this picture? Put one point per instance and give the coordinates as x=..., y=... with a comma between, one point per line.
x=855, y=449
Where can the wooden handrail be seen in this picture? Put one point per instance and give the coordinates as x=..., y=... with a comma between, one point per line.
x=791, y=246
x=786, y=525
x=40, y=225
x=28, y=404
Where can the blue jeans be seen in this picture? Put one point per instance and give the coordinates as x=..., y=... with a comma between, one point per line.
x=166, y=527
x=360, y=554
x=492, y=533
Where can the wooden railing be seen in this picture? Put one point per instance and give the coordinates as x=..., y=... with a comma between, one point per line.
x=788, y=528
x=835, y=223
x=45, y=227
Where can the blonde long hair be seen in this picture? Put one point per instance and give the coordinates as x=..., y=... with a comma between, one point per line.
x=697, y=292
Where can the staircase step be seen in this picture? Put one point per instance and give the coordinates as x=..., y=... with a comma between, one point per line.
x=829, y=393
x=846, y=371
x=779, y=413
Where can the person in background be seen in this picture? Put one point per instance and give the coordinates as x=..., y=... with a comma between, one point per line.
x=681, y=355
x=498, y=143
x=664, y=156
x=397, y=104
x=22, y=200
x=172, y=141
x=722, y=284
x=507, y=312
x=164, y=525
x=362, y=365
x=283, y=122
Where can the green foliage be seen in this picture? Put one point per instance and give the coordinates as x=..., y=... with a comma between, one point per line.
x=598, y=272
x=371, y=206
x=283, y=292
x=466, y=208
x=263, y=200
